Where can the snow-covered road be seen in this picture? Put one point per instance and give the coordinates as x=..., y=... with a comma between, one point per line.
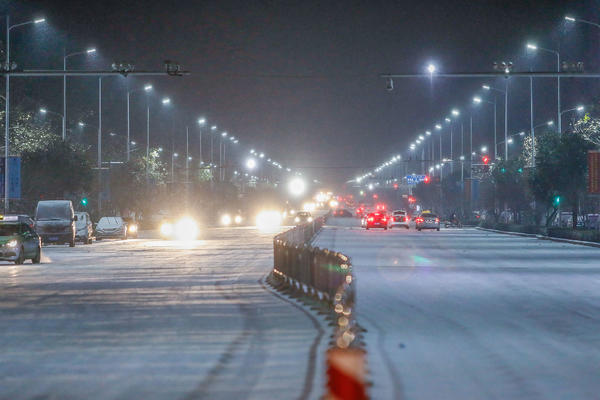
x=154, y=319
x=468, y=314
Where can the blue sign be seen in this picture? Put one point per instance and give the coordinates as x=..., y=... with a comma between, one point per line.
x=414, y=179
x=14, y=178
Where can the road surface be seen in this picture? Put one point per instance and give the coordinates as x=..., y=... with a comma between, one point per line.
x=153, y=319
x=467, y=314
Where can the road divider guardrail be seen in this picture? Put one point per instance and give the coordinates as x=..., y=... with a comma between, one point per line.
x=327, y=276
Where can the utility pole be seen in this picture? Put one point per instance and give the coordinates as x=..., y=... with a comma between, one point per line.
x=99, y=144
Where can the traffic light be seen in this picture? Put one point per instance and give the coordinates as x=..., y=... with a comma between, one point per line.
x=556, y=201
x=411, y=199
x=485, y=160
x=520, y=170
x=503, y=170
x=426, y=180
x=396, y=186
x=84, y=201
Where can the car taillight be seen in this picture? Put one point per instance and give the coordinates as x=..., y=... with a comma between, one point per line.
x=419, y=220
x=437, y=220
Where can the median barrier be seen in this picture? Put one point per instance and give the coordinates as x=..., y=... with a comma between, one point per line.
x=327, y=275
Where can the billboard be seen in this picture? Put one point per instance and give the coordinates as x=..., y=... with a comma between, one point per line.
x=14, y=179
x=593, y=172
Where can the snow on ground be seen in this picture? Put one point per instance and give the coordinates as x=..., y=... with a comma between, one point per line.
x=464, y=313
x=153, y=319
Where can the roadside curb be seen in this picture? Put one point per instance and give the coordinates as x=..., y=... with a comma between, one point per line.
x=543, y=237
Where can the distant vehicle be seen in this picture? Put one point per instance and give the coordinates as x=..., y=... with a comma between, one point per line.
x=229, y=219
x=84, y=229
x=342, y=213
x=427, y=220
x=55, y=221
x=111, y=227
x=400, y=218
x=131, y=227
x=18, y=241
x=184, y=228
x=302, y=217
x=378, y=219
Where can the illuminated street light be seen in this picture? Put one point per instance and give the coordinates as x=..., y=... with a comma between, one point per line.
x=448, y=120
x=476, y=99
x=81, y=124
x=431, y=68
x=297, y=187
x=484, y=149
x=455, y=112
x=531, y=46
x=510, y=140
x=39, y=20
x=438, y=126
x=201, y=121
x=224, y=134
x=428, y=133
x=570, y=19
x=43, y=110
x=148, y=87
x=90, y=51
x=166, y=100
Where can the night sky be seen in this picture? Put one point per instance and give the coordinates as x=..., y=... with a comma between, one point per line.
x=299, y=79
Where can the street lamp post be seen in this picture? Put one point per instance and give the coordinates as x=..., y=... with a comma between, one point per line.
x=479, y=100
x=100, y=144
x=44, y=110
x=557, y=54
x=8, y=67
x=146, y=88
x=201, y=123
x=173, y=157
x=65, y=57
x=505, y=92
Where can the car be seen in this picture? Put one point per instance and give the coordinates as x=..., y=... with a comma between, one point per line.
x=84, y=228
x=427, y=220
x=131, y=227
x=18, y=241
x=111, y=227
x=55, y=221
x=342, y=213
x=302, y=217
x=400, y=218
x=184, y=228
x=378, y=219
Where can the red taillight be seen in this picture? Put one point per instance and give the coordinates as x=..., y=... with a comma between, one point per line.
x=407, y=219
x=419, y=220
x=437, y=220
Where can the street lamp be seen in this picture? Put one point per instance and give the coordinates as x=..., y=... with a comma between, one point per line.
x=44, y=110
x=65, y=57
x=201, y=124
x=534, y=47
x=573, y=19
x=505, y=92
x=9, y=27
x=431, y=69
x=146, y=89
x=479, y=100
x=166, y=101
x=251, y=163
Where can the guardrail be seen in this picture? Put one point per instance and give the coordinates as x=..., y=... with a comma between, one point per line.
x=328, y=276
x=321, y=272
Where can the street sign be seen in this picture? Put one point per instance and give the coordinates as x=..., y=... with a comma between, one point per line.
x=414, y=179
x=14, y=178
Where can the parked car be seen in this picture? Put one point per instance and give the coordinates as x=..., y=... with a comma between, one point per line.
x=18, y=241
x=111, y=227
x=400, y=218
x=55, y=221
x=84, y=228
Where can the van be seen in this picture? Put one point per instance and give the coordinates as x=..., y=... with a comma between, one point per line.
x=55, y=221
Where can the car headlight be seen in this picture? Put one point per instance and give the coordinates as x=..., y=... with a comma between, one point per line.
x=132, y=228
x=297, y=219
x=186, y=229
x=12, y=243
x=166, y=229
x=310, y=219
x=238, y=219
x=226, y=220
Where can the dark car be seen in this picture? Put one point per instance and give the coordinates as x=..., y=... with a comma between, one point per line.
x=427, y=220
x=18, y=241
x=378, y=219
x=55, y=221
x=342, y=213
x=302, y=217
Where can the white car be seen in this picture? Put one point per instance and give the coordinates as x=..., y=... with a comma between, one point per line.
x=111, y=227
x=400, y=219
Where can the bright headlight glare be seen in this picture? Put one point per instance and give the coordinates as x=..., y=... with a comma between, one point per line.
x=296, y=219
x=238, y=219
x=132, y=228
x=186, y=229
x=225, y=219
x=12, y=243
x=267, y=220
x=166, y=229
x=310, y=219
